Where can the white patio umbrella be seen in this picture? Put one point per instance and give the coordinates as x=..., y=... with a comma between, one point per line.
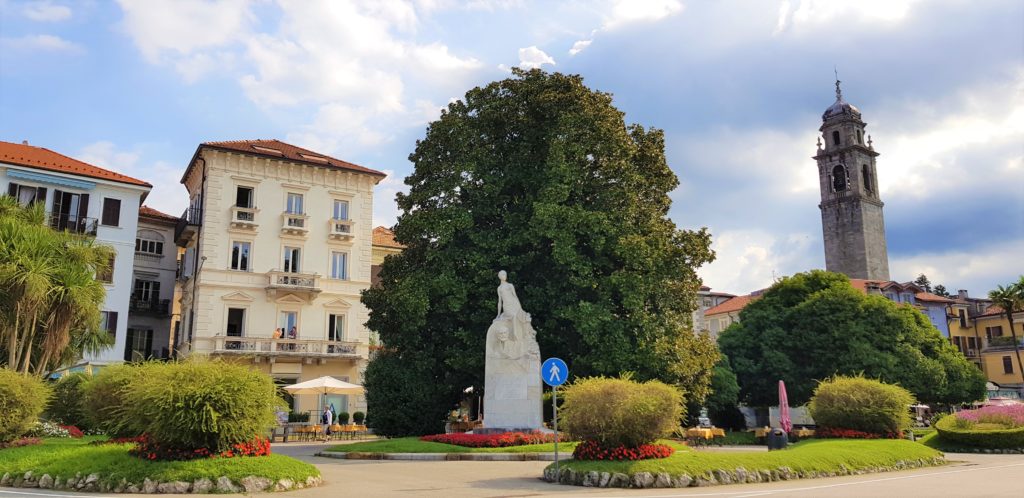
x=325, y=386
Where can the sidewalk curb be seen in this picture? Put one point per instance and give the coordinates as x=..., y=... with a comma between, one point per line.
x=437, y=457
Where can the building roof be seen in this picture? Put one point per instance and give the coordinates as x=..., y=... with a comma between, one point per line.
x=31, y=156
x=384, y=237
x=735, y=304
x=153, y=213
x=276, y=149
x=994, y=310
x=933, y=298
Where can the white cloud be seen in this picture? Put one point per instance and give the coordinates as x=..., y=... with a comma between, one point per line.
x=819, y=13
x=751, y=259
x=41, y=43
x=624, y=12
x=579, y=46
x=170, y=28
x=978, y=270
x=533, y=58
x=46, y=11
x=168, y=195
x=385, y=210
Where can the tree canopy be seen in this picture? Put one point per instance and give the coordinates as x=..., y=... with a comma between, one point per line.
x=537, y=175
x=49, y=297
x=814, y=325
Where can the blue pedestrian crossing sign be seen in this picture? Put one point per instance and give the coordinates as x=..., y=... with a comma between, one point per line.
x=554, y=371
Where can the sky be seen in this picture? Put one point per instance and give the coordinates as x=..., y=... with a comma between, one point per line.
x=738, y=86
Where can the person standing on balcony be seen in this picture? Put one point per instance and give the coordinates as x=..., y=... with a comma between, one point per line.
x=292, y=334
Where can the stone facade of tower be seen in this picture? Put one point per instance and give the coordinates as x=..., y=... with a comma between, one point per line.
x=851, y=209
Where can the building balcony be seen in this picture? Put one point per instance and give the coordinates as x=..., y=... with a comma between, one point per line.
x=339, y=229
x=74, y=223
x=305, y=284
x=295, y=223
x=188, y=226
x=267, y=346
x=152, y=307
x=1003, y=343
x=243, y=217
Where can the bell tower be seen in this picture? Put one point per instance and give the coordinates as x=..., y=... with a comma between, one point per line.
x=851, y=209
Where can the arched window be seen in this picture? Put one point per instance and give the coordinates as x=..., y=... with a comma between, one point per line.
x=839, y=182
x=866, y=173
x=149, y=242
x=835, y=138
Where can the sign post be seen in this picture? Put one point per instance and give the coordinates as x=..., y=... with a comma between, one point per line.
x=554, y=372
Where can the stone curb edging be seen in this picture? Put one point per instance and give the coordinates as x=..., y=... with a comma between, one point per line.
x=91, y=482
x=437, y=457
x=716, y=477
x=997, y=451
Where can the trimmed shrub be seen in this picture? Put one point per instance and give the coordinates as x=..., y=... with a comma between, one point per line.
x=66, y=405
x=210, y=405
x=298, y=417
x=620, y=412
x=862, y=405
x=21, y=401
x=104, y=400
x=953, y=430
x=358, y=417
x=342, y=418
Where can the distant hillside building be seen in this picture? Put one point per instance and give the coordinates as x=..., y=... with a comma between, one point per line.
x=851, y=209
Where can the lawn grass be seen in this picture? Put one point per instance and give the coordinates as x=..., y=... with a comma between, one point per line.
x=820, y=455
x=65, y=457
x=414, y=445
x=934, y=441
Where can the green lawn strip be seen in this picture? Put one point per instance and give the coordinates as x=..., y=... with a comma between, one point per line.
x=66, y=457
x=414, y=445
x=813, y=455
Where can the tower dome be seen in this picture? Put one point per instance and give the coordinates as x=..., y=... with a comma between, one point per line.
x=840, y=107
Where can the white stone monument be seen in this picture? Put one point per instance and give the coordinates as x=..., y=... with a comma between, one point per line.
x=512, y=383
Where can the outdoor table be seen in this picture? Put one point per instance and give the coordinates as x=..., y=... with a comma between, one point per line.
x=716, y=432
x=802, y=433
x=698, y=435
x=761, y=432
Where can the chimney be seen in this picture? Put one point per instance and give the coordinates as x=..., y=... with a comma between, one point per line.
x=24, y=142
x=962, y=294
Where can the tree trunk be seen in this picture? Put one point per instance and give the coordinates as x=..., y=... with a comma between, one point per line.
x=12, y=340
x=1016, y=345
x=26, y=347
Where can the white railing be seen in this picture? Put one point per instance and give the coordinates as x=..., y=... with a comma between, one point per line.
x=294, y=281
x=243, y=216
x=270, y=346
x=339, y=228
x=294, y=222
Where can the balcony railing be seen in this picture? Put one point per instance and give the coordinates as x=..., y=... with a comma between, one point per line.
x=339, y=229
x=1002, y=342
x=277, y=347
x=155, y=307
x=295, y=223
x=243, y=217
x=293, y=281
x=187, y=225
x=73, y=223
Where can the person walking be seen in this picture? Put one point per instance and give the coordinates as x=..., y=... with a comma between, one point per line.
x=327, y=418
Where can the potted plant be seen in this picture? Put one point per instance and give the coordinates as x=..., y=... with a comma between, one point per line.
x=358, y=417
x=342, y=418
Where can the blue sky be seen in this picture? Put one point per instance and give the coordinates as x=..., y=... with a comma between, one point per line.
x=738, y=87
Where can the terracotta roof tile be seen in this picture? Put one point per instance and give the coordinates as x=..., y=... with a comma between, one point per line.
x=276, y=149
x=933, y=298
x=42, y=158
x=153, y=213
x=384, y=237
x=735, y=304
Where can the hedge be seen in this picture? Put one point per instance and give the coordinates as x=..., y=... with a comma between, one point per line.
x=994, y=438
x=22, y=399
x=861, y=404
x=620, y=412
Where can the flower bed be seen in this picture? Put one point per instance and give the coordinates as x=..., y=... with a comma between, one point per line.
x=50, y=429
x=990, y=427
x=148, y=449
x=837, y=433
x=591, y=450
x=17, y=443
x=491, y=440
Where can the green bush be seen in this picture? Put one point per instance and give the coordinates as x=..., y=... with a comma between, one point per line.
x=67, y=404
x=953, y=430
x=358, y=417
x=342, y=418
x=861, y=404
x=298, y=417
x=21, y=401
x=200, y=404
x=104, y=401
x=620, y=412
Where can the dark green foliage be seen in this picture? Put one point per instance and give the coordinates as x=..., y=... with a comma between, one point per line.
x=66, y=405
x=401, y=397
x=200, y=404
x=620, y=412
x=540, y=176
x=940, y=290
x=104, y=400
x=977, y=438
x=549, y=411
x=358, y=417
x=298, y=417
x=342, y=418
x=861, y=404
x=22, y=399
x=923, y=282
x=814, y=325
x=723, y=402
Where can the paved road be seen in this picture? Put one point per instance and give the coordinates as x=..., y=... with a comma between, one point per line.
x=968, y=476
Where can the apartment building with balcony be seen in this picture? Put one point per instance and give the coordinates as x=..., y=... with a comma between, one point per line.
x=982, y=333
x=150, y=318
x=89, y=200
x=277, y=245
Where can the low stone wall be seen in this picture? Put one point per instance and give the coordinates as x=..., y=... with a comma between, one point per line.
x=738, y=475
x=92, y=482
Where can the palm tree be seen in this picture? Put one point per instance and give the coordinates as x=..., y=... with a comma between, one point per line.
x=1011, y=300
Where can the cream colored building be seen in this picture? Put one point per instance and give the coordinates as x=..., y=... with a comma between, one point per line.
x=278, y=242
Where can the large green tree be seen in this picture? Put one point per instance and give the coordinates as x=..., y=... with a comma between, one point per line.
x=49, y=297
x=814, y=325
x=540, y=176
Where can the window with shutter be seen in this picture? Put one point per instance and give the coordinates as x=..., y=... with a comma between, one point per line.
x=111, y=212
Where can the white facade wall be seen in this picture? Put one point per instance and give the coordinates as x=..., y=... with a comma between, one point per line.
x=156, y=268
x=121, y=237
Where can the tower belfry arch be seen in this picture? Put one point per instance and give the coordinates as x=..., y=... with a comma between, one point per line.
x=853, y=226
